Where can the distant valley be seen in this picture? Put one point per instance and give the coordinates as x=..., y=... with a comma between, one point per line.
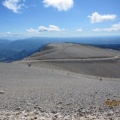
x=19, y=49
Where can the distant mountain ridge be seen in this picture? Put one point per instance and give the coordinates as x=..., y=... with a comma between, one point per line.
x=19, y=49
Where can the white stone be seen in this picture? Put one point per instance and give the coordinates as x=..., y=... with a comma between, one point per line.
x=1, y=92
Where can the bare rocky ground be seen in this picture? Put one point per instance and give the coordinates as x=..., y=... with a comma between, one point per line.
x=44, y=91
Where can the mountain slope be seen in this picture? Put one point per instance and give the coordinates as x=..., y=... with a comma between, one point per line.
x=83, y=59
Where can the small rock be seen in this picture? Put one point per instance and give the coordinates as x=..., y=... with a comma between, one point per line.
x=35, y=107
x=57, y=115
x=18, y=108
x=35, y=117
x=18, y=113
x=111, y=112
x=53, y=112
x=1, y=92
x=117, y=111
x=42, y=118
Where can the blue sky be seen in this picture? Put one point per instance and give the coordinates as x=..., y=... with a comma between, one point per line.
x=59, y=18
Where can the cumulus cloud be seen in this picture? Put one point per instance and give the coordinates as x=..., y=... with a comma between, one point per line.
x=115, y=27
x=14, y=5
x=51, y=28
x=79, y=30
x=61, y=5
x=96, y=17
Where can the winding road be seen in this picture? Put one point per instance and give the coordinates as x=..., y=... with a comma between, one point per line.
x=73, y=59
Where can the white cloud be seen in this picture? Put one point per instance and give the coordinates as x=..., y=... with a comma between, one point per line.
x=115, y=27
x=51, y=28
x=14, y=5
x=61, y=5
x=79, y=30
x=96, y=17
x=31, y=30
x=6, y=34
x=97, y=30
x=9, y=35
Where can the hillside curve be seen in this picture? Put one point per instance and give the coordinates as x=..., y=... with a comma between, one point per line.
x=83, y=59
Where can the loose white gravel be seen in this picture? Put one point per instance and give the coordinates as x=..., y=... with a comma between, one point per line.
x=48, y=94
x=37, y=115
